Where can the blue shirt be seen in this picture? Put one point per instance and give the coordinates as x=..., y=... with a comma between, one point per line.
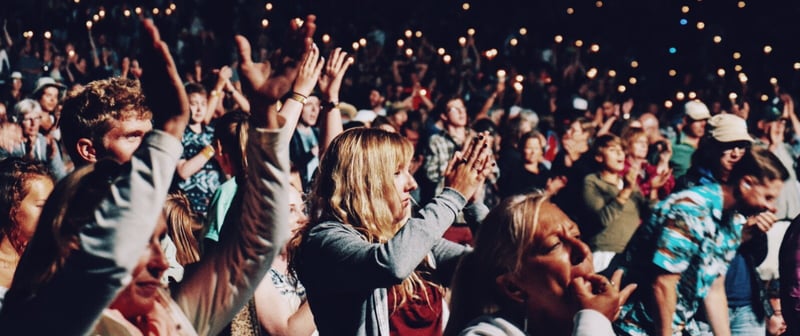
x=688, y=234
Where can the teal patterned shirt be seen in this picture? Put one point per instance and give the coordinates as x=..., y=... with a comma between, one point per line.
x=688, y=234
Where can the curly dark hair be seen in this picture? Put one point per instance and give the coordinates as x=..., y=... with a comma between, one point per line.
x=15, y=177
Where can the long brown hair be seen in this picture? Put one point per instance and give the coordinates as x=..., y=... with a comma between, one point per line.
x=16, y=175
x=63, y=217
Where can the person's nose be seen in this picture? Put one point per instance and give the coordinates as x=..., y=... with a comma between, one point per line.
x=770, y=206
x=158, y=260
x=579, y=251
x=412, y=183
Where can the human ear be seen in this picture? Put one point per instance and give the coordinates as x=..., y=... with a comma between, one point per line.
x=86, y=150
x=747, y=182
x=508, y=286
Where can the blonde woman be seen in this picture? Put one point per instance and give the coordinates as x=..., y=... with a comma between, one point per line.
x=530, y=274
x=368, y=265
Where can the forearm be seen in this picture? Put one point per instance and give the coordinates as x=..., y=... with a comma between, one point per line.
x=301, y=323
x=187, y=168
x=331, y=127
x=666, y=299
x=240, y=99
x=716, y=304
x=347, y=261
x=213, y=291
x=110, y=243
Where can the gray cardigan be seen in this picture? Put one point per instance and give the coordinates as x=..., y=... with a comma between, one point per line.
x=110, y=246
x=214, y=289
x=347, y=277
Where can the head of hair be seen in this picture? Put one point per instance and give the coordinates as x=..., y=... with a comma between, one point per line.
x=512, y=131
x=759, y=163
x=484, y=125
x=70, y=206
x=531, y=135
x=605, y=141
x=182, y=226
x=355, y=186
x=501, y=244
x=358, y=187
x=88, y=113
x=192, y=88
x=381, y=121
x=231, y=133
x=587, y=125
x=16, y=175
x=629, y=137
x=24, y=107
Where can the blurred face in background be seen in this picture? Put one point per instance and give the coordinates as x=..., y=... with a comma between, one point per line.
x=310, y=111
x=31, y=122
x=532, y=152
x=49, y=99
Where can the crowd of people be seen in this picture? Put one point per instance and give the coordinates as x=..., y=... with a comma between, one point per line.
x=301, y=189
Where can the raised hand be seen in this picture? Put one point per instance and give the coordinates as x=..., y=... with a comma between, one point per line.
x=331, y=79
x=309, y=72
x=161, y=84
x=266, y=82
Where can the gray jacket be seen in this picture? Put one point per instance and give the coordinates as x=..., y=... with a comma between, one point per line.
x=347, y=277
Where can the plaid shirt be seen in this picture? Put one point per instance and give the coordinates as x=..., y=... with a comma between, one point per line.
x=441, y=148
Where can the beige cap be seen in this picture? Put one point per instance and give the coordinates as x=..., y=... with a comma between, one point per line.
x=697, y=110
x=728, y=127
x=348, y=111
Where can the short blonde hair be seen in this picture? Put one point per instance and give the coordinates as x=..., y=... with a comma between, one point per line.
x=505, y=238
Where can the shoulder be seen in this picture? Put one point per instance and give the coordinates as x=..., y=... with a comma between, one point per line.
x=488, y=325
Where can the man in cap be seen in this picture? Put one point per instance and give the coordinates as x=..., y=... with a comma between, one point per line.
x=48, y=94
x=692, y=129
x=13, y=92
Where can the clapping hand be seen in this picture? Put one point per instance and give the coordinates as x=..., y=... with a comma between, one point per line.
x=468, y=170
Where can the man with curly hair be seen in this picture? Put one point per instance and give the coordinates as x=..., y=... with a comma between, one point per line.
x=108, y=118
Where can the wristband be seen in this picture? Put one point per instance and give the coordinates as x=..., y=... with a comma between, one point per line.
x=330, y=105
x=208, y=152
x=299, y=98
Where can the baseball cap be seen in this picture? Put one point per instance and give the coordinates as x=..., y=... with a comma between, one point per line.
x=16, y=75
x=726, y=127
x=697, y=110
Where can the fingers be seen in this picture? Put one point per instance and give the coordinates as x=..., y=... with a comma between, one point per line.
x=582, y=287
x=765, y=220
x=451, y=165
x=625, y=293
x=243, y=45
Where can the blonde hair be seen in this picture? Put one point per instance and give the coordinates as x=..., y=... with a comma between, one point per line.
x=182, y=224
x=355, y=186
x=505, y=238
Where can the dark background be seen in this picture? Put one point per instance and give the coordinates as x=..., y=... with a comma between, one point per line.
x=626, y=30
